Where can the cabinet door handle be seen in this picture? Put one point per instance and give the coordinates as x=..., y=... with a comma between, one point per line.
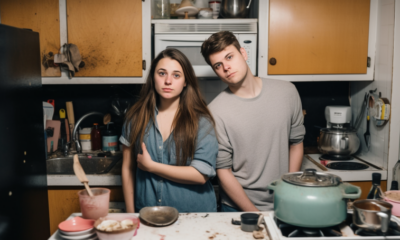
x=272, y=61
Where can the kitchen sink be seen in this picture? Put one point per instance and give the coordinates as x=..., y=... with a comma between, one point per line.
x=91, y=164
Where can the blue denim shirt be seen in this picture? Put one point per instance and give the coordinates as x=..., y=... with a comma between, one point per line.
x=153, y=190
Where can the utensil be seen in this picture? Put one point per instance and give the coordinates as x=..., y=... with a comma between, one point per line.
x=80, y=174
x=71, y=116
x=106, y=119
x=367, y=135
x=305, y=199
x=234, y=9
x=372, y=214
x=159, y=216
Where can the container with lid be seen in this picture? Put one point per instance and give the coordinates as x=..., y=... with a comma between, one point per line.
x=95, y=135
x=85, y=139
x=110, y=138
x=312, y=199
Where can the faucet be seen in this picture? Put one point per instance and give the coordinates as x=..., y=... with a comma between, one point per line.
x=77, y=144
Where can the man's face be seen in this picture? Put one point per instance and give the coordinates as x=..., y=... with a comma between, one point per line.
x=230, y=64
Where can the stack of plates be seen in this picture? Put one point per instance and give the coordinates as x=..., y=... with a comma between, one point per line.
x=77, y=228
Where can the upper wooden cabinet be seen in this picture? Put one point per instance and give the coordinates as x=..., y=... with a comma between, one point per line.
x=41, y=16
x=108, y=35
x=318, y=37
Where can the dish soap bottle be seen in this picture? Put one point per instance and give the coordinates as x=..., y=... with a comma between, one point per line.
x=376, y=191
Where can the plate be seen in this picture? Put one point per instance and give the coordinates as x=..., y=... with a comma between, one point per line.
x=89, y=236
x=77, y=233
x=159, y=216
x=76, y=224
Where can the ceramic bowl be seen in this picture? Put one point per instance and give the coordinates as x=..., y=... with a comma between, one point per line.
x=76, y=224
x=393, y=197
x=87, y=236
x=125, y=234
x=91, y=230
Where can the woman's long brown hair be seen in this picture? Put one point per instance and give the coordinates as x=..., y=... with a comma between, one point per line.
x=186, y=121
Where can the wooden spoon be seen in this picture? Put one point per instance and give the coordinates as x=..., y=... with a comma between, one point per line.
x=80, y=174
x=107, y=118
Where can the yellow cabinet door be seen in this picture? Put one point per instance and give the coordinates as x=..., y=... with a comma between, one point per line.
x=318, y=36
x=41, y=16
x=108, y=35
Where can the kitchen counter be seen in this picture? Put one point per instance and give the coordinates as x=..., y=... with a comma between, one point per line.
x=211, y=226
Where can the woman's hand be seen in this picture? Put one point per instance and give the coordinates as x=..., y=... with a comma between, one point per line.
x=144, y=160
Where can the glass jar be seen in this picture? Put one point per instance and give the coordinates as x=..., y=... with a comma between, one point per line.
x=161, y=9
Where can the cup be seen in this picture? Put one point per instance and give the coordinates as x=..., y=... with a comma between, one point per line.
x=97, y=206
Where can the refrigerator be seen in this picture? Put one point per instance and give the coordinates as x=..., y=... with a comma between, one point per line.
x=24, y=210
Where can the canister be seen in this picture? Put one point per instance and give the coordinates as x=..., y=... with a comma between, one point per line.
x=84, y=138
x=110, y=138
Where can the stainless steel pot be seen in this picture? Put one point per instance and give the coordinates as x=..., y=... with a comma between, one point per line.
x=234, y=8
x=372, y=214
x=338, y=142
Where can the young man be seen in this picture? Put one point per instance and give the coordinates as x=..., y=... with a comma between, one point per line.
x=259, y=123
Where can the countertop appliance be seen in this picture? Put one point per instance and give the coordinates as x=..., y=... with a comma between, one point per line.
x=338, y=141
x=23, y=184
x=188, y=36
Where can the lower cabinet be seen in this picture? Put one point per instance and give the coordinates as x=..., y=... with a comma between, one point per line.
x=366, y=186
x=64, y=200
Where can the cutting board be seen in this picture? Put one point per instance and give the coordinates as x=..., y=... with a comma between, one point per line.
x=56, y=124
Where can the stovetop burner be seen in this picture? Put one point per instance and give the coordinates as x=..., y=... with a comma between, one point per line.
x=347, y=166
x=335, y=157
x=291, y=231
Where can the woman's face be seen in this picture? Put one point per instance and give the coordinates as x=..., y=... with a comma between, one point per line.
x=169, y=79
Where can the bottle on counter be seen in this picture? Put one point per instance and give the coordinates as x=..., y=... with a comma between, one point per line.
x=95, y=135
x=85, y=139
x=110, y=138
x=376, y=191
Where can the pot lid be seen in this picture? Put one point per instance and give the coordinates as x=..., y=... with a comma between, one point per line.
x=311, y=178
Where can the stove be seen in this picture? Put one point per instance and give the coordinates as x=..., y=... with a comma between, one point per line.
x=345, y=230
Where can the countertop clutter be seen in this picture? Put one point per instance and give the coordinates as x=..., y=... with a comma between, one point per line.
x=218, y=226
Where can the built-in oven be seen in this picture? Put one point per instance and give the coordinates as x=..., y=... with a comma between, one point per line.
x=188, y=36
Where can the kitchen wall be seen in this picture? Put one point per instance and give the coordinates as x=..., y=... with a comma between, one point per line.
x=378, y=153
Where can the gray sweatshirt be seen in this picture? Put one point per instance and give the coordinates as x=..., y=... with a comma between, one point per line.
x=254, y=137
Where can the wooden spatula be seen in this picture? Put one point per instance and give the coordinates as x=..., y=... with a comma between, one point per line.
x=80, y=174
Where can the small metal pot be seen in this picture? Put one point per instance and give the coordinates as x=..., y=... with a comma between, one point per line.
x=338, y=142
x=372, y=214
x=234, y=8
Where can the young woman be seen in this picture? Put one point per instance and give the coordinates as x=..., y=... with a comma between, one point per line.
x=170, y=147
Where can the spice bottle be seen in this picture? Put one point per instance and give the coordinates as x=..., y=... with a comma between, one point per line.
x=96, y=137
x=376, y=191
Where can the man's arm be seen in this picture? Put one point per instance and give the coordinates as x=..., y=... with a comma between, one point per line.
x=234, y=190
x=295, y=157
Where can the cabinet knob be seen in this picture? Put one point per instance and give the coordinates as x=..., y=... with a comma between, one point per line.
x=272, y=61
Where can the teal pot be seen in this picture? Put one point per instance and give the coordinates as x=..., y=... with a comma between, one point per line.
x=312, y=199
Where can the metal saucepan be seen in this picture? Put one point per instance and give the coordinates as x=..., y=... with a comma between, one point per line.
x=338, y=142
x=372, y=214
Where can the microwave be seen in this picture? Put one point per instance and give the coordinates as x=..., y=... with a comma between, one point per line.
x=188, y=36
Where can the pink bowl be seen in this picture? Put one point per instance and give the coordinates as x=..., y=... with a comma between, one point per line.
x=125, y=235
x=390, y=198
x=76, y=224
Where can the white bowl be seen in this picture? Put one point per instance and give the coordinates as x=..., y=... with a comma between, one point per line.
x=91, y=230
x=88, y=236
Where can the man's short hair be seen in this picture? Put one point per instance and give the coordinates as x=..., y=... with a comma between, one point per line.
x=218, y=42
